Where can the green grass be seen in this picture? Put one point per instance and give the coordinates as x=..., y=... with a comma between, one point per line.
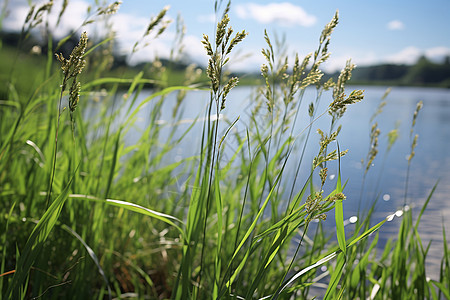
x=86, y=215
x=16, y=64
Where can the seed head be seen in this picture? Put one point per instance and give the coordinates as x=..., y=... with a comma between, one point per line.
x=413, y=147
x=416, y=113
x=71, y=68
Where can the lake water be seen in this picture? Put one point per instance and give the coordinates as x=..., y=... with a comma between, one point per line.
x=386, y=179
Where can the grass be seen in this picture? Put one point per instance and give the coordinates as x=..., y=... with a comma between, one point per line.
x=88, y=215
x=15, y=63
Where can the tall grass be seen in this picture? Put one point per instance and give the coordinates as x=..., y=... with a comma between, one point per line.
x=87, y=215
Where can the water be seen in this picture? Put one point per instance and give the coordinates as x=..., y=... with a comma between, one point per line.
x=386, y=179
x=430, y=163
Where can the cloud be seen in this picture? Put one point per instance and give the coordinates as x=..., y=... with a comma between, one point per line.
x=395, y=25
x=195, y=48
x=128, y=28
x=15, y=16
x=18, y=10
x=411, y=54
x=286, y=14
x=437, y=53
x=337, y=62
x=211, y=18
x=408, y=55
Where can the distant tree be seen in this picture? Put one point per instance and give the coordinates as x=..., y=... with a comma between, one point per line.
x=13, y=39
x=423, y=60
x=425, y=72
x=380, y=73
x=447, y=60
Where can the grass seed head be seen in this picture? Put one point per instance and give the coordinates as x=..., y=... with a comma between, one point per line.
x=413, y=147
x=63, y=9
x=325, y=140
x=71, y=68
x=239, y=37
x=222, y=29
x=374, y=134
x=46, y=7
x=416, y=113
x=226, y=89
x=314, y=204
x=36, y=16
x=338, y=196
x=344, y=76
x=328, y=29
x=74, y=95
x=207, y=45
x=156, y=20
x=218, y=58
x=328, y=84
x=30, y=13
x=323, y=175
x=110, y=9
x=392, y=138
x=313, y=77
x=311, y=109
x=338, y=107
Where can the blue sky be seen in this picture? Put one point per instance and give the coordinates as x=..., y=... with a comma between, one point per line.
x=369, y=32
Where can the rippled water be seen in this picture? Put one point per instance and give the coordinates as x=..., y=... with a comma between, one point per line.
x=386, y=179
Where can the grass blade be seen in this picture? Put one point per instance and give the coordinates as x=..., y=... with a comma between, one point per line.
x=335, y=277
x=219, y=207
x=305, y=270
x=2, y=268
x=113, y=165
x=250, y=230
x=425, y=205
x=35, y=242
x=442, y=288
x=110, y=80
x=134, y=207
x=339, y=210
x=366, y=233
x=91, y=254
x=155, y=95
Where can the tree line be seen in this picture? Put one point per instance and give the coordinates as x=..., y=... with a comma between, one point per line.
x=423, y=73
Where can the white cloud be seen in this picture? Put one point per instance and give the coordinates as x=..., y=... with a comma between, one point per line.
x=285, y=13
x=411, y=54
x=15, y=17
x=127, y=28
x=408, y=55
x=437, y=53
x=337, y=63
x=395, y=25
x=249, y=60
x=195, y=49
x=161, y=47
x=17, y=12
x=211, y=18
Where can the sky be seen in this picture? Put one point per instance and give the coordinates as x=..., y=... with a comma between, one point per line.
x=369, y=32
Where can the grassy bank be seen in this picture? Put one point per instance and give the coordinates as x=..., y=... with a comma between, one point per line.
x=85, y=215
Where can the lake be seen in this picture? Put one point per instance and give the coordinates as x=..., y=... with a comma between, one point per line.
x=386, y=179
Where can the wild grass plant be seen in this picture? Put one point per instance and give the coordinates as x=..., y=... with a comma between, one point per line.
x=88, y=215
